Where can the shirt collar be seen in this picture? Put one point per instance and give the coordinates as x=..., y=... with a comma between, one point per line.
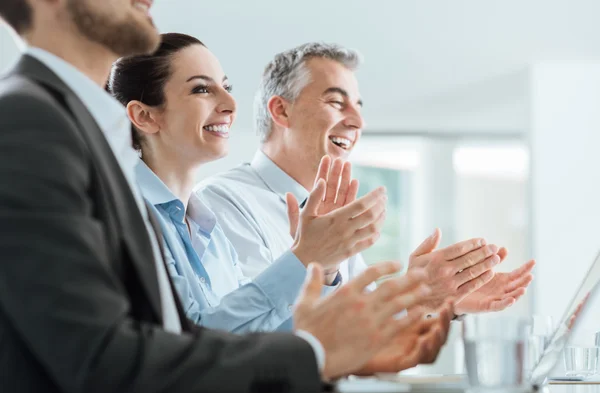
x=158, y=194
x=105, y=109
x=276, y=179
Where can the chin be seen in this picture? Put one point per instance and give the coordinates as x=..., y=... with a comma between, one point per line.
x=213, y=153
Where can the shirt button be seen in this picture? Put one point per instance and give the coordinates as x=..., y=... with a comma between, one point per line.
x=290, y=307
x=202, y=280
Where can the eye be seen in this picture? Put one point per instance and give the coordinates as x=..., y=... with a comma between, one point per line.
x=337, y=104
x=200, y=89
x=228, y=88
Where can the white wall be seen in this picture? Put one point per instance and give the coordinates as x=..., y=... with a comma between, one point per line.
x=565, y=145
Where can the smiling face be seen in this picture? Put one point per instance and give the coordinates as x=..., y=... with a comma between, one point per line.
x=199, y=109
x=326, y=117
x=122, y=26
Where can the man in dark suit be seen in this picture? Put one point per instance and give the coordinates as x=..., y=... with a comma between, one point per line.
x=85, y=302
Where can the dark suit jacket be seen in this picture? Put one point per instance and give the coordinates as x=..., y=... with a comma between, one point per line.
x=79, y=302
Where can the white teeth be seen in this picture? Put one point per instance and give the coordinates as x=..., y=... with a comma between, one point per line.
x=141, y=6
x=220, y=128
x=341, y=141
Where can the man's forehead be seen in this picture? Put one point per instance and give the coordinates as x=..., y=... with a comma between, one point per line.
x=326, y=73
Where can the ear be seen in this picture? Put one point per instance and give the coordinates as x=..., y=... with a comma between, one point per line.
x=278, y=108
x=143, y=117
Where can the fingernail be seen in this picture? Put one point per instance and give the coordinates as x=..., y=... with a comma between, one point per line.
x=496, y=259
x=482, y=242
x=494, y=248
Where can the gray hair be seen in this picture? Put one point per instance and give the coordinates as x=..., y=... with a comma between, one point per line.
x=286, y=75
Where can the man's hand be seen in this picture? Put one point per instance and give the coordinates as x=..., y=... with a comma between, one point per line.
x=340, y=190
x=420, y=344
x=340, y=234
x=352, y=324
x=501, y=292
x=455, y=271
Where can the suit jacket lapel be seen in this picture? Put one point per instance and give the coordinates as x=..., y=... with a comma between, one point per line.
x=118, y=190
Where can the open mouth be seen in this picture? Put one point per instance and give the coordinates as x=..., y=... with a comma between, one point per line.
x=341, y=142
x=221, y=130
x=143, y=6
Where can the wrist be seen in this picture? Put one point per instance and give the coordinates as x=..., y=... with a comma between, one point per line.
x=302, y=255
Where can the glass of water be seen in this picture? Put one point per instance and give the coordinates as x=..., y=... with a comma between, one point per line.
x=495, y=352
x=581, y=361
x=540, y=329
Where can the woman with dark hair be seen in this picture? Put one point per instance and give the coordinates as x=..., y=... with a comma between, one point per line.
x=179, y=102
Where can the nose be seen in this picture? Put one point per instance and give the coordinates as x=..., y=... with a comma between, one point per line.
x=354, y=118
x=227, y=103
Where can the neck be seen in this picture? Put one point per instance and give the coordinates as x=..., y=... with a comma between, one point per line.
x=293, y=166
x=177, y=176
x=92, y=59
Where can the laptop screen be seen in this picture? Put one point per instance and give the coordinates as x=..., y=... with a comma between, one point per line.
x=571, y=317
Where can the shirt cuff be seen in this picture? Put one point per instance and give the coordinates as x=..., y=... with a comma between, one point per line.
x=282, y=282
x=316, y=346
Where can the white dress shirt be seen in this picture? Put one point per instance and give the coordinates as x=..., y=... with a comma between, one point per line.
x=249, y=202
x=114, y=123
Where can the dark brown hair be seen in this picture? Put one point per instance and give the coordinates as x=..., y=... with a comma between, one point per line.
x=17, y=13
x=143, y=78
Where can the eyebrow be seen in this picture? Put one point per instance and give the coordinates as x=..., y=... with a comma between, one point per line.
x=206, y=78
x=341, y=91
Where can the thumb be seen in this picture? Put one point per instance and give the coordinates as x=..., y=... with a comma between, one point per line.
x=315, y=198
x=429, y=244
x=293, y=211
x=311, y=291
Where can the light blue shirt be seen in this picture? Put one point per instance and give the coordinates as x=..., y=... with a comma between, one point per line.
x=205, y=270
x=249, y=201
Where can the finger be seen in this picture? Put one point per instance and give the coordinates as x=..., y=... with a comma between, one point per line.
x=344, y=184
x=429, y=244
x=525, y=269
x=365, y=227
x=459, y=249
x=293, y=211
x=522, y=282
x=333, y=181
x=402, y=301
x=323, y=169
x=473, y=285
x=475, y=271
x=474, y=257
x=352, y=192
x=315, y=198
x=407, y=360
x=369, y=216
x=311, y=289
x=446, y=316
x=373, y=273
x=516, y=294
x=397, y=285
x=363, y=244
x=434, y=343
x=499, y=305
x=502, y=253
x=392, y=328
x=362, y=204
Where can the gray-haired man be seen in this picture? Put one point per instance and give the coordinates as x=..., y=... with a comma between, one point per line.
x=308, y=106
